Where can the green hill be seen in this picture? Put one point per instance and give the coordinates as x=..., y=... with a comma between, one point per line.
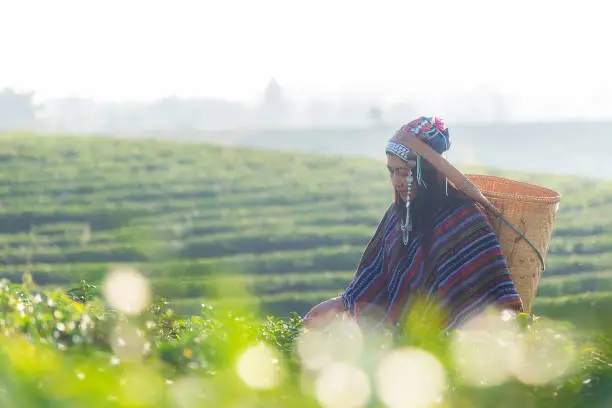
x=287, y=227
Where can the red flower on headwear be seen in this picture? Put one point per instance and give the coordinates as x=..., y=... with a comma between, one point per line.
x=438, y=124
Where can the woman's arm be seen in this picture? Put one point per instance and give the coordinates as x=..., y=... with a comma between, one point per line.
x=367, y=287
x=324, y=311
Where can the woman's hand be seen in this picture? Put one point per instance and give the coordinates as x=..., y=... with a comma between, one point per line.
x=324, y=311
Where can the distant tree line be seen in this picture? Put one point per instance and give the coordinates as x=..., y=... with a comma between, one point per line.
x=274, y=109
x=17, y=110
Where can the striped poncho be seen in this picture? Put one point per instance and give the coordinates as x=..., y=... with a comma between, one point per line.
x=466, y=271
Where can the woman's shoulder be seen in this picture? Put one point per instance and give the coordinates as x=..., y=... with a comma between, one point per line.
x=463, y=211
x=389, y=217
x=391, y=214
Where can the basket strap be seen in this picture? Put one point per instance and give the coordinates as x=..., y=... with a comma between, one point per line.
x=500, y=215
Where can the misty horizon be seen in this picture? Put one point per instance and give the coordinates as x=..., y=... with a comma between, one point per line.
x=311, y=76
x=461, y=61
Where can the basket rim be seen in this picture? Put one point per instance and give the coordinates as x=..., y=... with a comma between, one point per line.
x=552, y=196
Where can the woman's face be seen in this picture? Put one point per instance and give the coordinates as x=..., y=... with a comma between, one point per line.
x=399, y=170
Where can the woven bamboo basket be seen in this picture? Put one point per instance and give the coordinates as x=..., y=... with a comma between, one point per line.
x=522, y=216
x=532, y=210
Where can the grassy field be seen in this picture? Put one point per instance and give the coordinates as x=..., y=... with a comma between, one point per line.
x=286, y=227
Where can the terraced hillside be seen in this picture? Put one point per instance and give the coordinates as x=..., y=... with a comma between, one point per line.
x=203, y=220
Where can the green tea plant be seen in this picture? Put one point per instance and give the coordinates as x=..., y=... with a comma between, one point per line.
x=73, y=349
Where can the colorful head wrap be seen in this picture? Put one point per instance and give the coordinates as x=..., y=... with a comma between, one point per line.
x=432, y=132
x=429, y=130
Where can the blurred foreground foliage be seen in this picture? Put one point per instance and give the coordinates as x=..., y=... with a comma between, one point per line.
x=69, y=349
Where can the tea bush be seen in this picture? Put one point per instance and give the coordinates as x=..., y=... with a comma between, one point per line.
x=71, y=349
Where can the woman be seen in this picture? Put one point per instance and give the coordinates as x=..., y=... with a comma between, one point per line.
x=432, y=245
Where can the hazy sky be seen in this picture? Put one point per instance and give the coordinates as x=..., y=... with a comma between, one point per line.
x=529, y=50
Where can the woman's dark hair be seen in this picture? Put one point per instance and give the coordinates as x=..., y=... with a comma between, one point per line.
x=431, y=198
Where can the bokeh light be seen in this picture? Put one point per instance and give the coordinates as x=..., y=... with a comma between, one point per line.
x=127, y=290
x=342, y=385
x=491, y=349
x=486, y=350
x=258, y=367
x=410, y=378
x=547, y=355
x=340, y=340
